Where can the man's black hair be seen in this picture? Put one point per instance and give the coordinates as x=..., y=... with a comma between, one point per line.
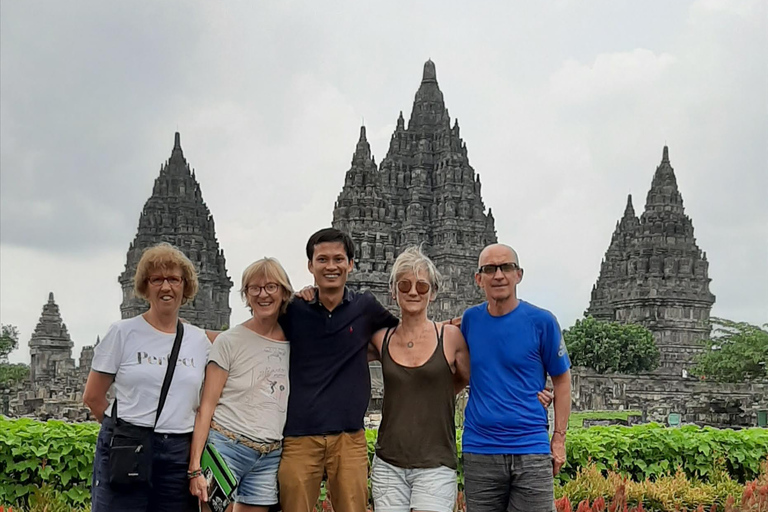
x=331, y=235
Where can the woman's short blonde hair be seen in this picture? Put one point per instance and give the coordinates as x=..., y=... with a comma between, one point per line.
x=164, y=256
x=414, y=260
x=272, y=271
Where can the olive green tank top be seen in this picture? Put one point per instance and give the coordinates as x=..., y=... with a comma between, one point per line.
x=417, y=428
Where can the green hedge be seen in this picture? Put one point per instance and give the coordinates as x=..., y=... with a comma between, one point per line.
x=651, y=450
x=55, y=453
x=61, y=454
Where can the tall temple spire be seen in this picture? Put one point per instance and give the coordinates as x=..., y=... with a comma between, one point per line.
x=629, y=210
x=428, y=113
x=655, y=275
x=177, y=152
x=363, y=149
x=423, y=191
x=176, y=213
x=664, y=193
x=430, y=74
x=50, y=346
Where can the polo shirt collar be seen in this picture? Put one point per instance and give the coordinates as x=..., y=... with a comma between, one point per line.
x=344, y=299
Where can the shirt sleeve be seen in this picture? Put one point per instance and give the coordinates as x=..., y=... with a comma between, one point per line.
x=379, y=315
x=286, y=318
x=108, y=354
x=554, y=352
x=465, y=325
x=221, y=351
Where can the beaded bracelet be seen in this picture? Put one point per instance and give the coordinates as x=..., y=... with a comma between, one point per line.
x=194, y=473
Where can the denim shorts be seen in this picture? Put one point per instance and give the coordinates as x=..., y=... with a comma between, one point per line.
x=396, y=489
x=256, y=473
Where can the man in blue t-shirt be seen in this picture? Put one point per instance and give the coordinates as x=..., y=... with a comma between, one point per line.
x=509, y=461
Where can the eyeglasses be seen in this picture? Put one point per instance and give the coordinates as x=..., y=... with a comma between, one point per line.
x=159, y=280
x=490, y=270
x=254, y=290
x=422, y=287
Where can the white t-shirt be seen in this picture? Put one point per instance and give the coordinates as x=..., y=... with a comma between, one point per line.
x=254, y=399
x=137, y=355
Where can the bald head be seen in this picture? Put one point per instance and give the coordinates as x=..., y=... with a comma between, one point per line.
x=497, y=253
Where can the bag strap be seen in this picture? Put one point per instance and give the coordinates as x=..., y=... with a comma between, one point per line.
x=171, y=368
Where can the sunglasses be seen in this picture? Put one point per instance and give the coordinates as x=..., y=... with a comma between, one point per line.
x=422, y=287
x=490, y=270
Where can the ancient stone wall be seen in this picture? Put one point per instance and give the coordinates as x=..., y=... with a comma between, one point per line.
x=700, y=402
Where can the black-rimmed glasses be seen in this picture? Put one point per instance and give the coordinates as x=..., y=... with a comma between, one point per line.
x=491, y=269
x=254, y=290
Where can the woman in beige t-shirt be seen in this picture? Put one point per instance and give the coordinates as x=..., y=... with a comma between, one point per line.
x=245, y=395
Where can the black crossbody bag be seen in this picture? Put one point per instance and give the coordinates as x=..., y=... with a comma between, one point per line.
x=130, y=450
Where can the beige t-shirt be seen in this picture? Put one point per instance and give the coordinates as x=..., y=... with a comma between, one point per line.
x=255, y=396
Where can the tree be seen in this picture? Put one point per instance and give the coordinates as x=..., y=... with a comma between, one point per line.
x=736, y=352
x=10, y=374
x=611, y=346
x=9, y=341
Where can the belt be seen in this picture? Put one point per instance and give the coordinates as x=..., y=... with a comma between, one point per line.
x=262, y=448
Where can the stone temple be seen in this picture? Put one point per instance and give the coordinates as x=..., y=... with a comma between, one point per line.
x=177, y=214
x=50, y=347
x=55, y=384
x=655, y=275
x=424, y=191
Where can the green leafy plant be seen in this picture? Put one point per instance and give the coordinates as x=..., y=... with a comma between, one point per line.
x=56, y=454
x=611, y=346
x=737, y=352
x=652, y=450
x=58, y=457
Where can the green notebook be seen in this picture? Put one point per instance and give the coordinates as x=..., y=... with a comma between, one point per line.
x=221, y=481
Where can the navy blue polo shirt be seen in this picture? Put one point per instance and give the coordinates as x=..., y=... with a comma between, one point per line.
x=330, y=381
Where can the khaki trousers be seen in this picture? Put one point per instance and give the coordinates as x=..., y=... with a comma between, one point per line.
x=305, y=459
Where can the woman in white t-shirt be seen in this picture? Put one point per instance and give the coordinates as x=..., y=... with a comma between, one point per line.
x=133, y=357
x=245, y=396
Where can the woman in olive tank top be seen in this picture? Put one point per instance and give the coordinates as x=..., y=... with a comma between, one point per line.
x=424, y=365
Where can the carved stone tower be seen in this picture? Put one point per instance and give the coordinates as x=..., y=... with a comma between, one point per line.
x=655, y=275
x=86, y=360
x=424, y=191
x=50, y=348
x=177, y=214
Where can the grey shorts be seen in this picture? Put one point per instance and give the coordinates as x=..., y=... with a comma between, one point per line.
x=396, y=489
x=508, y=483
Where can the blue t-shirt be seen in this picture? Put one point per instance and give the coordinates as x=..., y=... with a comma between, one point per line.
x=510, y=358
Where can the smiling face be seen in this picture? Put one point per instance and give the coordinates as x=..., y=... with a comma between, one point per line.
x=165, y=289
x=330, y=265
x=265, y=297
x=413, y=292
x=499, y=286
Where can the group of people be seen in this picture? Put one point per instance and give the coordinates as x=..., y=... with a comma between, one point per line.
x=282, y=397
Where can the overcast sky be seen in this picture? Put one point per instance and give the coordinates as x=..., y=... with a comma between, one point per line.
x=564, y=105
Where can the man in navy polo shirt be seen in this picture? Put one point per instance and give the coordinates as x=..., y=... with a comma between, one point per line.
x=330, y=382
x=509, y=461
